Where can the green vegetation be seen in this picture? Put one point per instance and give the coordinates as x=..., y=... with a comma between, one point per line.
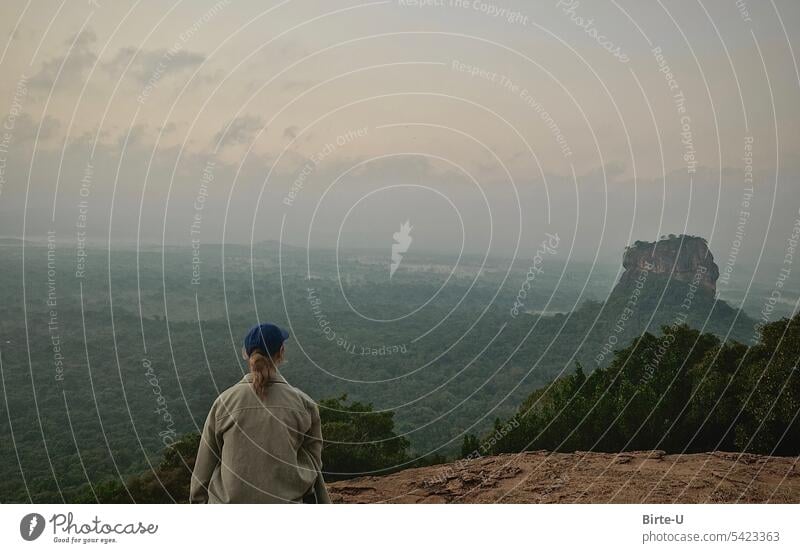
x=682, y=391
x=168, y=482
x=358, y=440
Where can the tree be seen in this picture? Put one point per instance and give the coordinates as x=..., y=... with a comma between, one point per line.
x=359, y=440
x=470, y=445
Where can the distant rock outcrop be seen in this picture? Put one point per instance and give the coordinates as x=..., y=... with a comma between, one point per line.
x=581, y=477
x=682, y=258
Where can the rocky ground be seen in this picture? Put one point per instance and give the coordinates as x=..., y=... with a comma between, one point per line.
x=544, y=477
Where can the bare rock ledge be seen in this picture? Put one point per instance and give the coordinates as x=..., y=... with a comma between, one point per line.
x=581, y=477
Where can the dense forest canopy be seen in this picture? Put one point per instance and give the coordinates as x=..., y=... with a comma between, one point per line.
x=681, y=391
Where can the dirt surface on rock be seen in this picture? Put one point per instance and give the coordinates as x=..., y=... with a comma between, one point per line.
x=545, y=477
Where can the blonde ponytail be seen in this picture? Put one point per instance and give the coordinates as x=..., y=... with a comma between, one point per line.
x=262, y=367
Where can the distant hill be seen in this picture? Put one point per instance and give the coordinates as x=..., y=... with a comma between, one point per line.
x=682, y=258
x=5, y=241
x=668, y=282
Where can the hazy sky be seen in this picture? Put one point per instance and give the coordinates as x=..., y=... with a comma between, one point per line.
x=483, y=123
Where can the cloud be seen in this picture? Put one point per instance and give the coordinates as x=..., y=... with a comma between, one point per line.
x=297, y=84
x=291, y=132
x=168, y=128
x=134, y=135
x=239, y=131
x=145, y=64
x=26, y=128
x=73, y=64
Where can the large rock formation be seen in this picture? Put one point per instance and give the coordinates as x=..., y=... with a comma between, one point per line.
x=545, y=477
x=681, y=258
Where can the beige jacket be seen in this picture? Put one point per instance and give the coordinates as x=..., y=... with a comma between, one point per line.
x=260, y=451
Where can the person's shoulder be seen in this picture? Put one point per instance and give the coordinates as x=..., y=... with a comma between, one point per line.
x=234, y=393
x=308, y=403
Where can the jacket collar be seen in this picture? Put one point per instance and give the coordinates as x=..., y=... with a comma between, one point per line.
x=277, y=377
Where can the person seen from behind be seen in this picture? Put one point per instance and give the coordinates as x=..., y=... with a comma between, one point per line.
x=262, y=440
